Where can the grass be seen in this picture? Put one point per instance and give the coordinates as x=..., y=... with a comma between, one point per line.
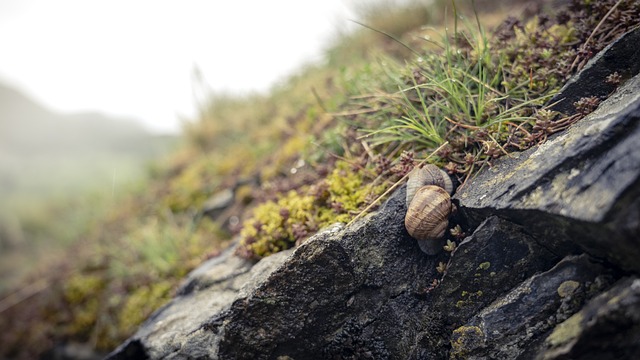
x=457, y=93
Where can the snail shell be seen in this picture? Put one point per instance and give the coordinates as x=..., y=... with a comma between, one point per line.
x=427, y=217
x=427, y=175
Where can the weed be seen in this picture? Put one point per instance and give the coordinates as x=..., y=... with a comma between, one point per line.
x=460, y=95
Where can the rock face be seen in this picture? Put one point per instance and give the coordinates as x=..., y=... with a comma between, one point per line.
x=620, y=57
x=580, y=188
x=549, y=271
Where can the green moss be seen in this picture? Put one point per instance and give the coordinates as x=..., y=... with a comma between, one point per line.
x=81, y=286
x=464, y=339
x=467, y=298
x=566, y=331
x=567, y=288
x=141, y=303
x=191, y=187
x=82, y=292
x=279, y=224
x=347, y=188
x=271, y=229
x=530, y=52
x=484, y=266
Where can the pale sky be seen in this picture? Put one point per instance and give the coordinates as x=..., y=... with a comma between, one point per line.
x=136, y=58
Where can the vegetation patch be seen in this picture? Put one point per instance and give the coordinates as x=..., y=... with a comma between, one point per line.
x=280, y=224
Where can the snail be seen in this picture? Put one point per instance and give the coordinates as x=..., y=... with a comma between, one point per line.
x=428, y=207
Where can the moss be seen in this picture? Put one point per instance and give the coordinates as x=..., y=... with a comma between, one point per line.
x=346, y=188
x=464, y=339
x=82, y=292
x=271, y=228
x=484, y=266
x=532, y=49
x=280, y=224
x=192, y=186
x=81, y=286
x=467, y=298
x=566, y=331
x=141, y=303
x=567, y=288
x=291, y=149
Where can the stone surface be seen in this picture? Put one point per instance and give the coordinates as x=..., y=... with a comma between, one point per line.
x=621, y=56
x=335, y=296
x=208, y=289
x=339, y=294
x=496, y=257
x=520, y=320
x=580, y=187
x=607, y=328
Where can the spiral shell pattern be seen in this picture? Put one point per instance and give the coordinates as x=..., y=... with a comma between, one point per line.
x=428, y=214
x=427, y=175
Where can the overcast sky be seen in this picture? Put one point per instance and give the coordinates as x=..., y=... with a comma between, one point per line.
x=135, y=58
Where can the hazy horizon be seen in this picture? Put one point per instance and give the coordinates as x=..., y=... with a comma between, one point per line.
x=137, y=60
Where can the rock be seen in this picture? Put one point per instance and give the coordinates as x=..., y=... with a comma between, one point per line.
x=581, y=187
x=340, y=294
x=608, y=327
x=337, y=295
x=621, y=56
x=73, y=351
x=218, y=203
x=520, y=320
x=207, y=290
x=496, y=257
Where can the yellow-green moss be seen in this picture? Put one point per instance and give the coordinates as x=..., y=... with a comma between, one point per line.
x=467, y=298
x=346, y=187
x=278, y=225
x=141, y=303
x=82, y=286
x=567, y=288
x=566, y=331
x=192, y=186
x=464, y=339
x=270, y=230
x=82, y=292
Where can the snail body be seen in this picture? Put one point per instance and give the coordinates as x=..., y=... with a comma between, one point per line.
x=428, y=207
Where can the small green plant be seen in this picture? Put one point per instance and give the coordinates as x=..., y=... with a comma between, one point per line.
x=464, y=94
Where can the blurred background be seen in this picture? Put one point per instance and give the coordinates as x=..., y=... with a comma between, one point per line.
x=137, y=59
x=92, y=91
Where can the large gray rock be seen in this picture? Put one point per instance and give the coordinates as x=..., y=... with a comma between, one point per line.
x=337, y=295
x=518, y=321
x=498, y=256
x=621, y=57
x=207, y=290
x=581, y=187
x=361, y=291
x=607, y=328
